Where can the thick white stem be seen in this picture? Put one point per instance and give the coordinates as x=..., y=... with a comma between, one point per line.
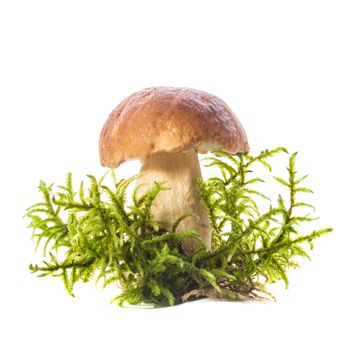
x=178, y=170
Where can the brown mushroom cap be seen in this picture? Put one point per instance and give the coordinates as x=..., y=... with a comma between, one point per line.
x=165, y=119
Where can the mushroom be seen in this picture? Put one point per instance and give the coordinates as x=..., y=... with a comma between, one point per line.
x=165, y=127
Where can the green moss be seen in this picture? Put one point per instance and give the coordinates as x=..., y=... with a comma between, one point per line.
x=103, y=237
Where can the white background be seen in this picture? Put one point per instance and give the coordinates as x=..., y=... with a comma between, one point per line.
x=283, y=67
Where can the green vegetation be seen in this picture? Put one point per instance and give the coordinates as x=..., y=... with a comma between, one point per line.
x=101, y=234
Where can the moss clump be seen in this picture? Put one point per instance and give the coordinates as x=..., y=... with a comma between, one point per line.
x=101, y=236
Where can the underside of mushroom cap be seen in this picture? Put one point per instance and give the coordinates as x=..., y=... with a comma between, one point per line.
x=165, y=119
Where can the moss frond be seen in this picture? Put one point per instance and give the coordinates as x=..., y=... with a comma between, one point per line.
x=104, y=235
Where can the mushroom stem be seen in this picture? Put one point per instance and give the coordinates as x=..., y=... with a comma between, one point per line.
x=178, y=171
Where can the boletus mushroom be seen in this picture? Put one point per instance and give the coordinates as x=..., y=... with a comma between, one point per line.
x=165, y=128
